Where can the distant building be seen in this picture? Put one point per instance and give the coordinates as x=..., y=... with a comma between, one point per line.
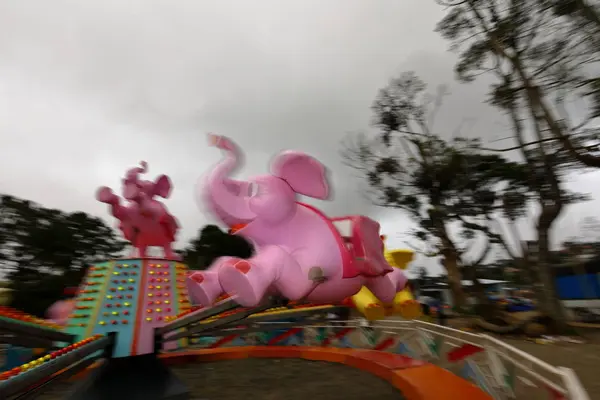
x=579, y=252
x=441, y=290
x=570, y=252
x=577, y=277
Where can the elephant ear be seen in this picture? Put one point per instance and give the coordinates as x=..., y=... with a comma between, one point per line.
x=162, y=186
x=305, y=174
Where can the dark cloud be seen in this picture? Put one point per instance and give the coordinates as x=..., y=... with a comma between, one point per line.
x=88, y=89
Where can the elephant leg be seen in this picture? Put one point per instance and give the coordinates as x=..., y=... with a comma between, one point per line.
x=385, y=287
x=169, y=253
x=249, y=279
x=142, y=251
x=204, y=286
x=293, y=283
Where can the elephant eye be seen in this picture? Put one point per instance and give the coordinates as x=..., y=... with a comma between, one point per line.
x=254, y=189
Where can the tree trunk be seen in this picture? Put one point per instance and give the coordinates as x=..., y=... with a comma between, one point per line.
x=451, y=261
x=454, y=279
x=548, y=301
x=485, y=308
x=479, y=292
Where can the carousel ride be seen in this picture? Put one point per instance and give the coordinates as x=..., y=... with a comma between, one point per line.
x=131, y=317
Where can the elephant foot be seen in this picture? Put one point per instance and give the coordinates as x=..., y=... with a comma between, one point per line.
x=203, y=287
x=385, y=287
x=246, y=281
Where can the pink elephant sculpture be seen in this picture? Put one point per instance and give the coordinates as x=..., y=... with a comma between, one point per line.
x=300, y=253
x=144, y=220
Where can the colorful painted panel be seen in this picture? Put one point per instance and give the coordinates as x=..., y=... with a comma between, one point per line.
x=131, y=298
x=160, y=298
x=87, y=303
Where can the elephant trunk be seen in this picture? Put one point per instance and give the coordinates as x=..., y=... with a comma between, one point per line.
x=132, y=174
x=228, y=198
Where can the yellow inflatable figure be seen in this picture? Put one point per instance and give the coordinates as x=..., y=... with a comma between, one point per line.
x=404, y=303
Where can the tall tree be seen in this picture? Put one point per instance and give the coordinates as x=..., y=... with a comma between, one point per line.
x=442, y=183
x=212, y=243
x=540, y=61
x=549, y=49
x=422, y=278
x=45, y=250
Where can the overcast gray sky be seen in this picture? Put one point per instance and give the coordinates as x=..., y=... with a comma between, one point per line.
x=88, y=89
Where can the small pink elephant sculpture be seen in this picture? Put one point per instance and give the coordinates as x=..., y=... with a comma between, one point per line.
x=144, y=220
x=60, y=311
x=300, y=253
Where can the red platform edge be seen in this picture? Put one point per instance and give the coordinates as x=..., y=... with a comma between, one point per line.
x=416, y=380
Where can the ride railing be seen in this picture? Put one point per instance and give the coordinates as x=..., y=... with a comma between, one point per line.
x=503, y=371
x=15, y=333
x=40, y=375
x=496, y=367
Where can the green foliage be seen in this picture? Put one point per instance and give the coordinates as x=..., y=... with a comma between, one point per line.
x=435, y=179
x=543, y=54
x=212, y=243
x=488, y=31
x=593, y=93
x=42, y=250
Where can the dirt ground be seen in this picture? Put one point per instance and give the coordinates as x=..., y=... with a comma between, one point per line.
x=584, y=358
x=273, y=379
x=292, y=379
